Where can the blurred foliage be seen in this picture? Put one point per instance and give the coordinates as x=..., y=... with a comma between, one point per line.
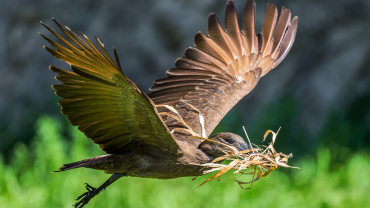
x=27, y=180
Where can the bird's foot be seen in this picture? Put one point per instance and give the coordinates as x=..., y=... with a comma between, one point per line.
x=92, y=192
x=86, y=197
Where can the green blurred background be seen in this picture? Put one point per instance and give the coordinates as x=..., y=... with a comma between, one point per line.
x=319, y=95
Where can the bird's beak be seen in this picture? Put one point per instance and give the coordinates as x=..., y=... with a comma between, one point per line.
x=244, y=146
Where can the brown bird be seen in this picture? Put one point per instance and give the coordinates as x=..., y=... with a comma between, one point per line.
x=163, y=134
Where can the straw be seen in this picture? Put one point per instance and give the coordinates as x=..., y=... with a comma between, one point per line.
x=259, y=161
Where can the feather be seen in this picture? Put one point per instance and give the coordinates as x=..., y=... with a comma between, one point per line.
x=281, y=26
x=248, y=26
x=287, y=41
x=268, y=27
x=232, y=27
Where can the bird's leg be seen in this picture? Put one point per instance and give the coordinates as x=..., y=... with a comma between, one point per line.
x=91, y=191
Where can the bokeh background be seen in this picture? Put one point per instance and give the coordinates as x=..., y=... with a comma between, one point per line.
x=319, y=96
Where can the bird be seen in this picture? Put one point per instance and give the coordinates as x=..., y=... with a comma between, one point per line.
x=167, y=133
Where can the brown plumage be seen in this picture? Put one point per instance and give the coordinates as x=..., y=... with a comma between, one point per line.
x=150, y=135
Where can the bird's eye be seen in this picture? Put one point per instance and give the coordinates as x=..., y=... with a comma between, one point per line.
x=230, y=140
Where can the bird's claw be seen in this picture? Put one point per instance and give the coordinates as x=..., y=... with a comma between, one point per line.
x=85, y=197
x=89, y=188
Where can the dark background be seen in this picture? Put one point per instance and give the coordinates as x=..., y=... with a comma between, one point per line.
x=319, y=95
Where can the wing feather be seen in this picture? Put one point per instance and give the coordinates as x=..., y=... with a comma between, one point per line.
x=268, y=27
x=287, y=41
x=249, y=16
x=98, y=98
x=223, y=67
x=232, y=27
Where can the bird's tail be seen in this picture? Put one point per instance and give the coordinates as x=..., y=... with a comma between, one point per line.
x=98, y=162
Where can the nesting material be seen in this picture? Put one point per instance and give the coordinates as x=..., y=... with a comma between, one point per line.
x=258, y=162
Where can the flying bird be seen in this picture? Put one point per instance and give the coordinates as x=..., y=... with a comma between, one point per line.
x=166, y=134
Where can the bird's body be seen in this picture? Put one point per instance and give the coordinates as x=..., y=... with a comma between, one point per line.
x=166, y=134
x=149, y=162
x=144, y=162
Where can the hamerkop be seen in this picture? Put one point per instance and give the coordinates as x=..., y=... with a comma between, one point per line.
x=152, y=136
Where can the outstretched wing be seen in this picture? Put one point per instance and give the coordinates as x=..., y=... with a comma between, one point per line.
x=99, y=99
x=223, y=67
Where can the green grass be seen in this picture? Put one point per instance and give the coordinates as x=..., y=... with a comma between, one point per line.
x=26, y=180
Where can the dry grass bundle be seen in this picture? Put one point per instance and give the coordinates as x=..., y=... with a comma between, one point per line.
x=260, y=159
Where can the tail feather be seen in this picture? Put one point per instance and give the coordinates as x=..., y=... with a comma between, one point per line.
x=98, y=162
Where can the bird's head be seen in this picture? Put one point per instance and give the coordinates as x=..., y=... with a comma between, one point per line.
x=215, y=149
